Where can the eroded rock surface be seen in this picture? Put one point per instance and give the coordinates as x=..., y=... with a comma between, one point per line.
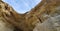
x=44, y=17
x=51, y=16
x=5, y=10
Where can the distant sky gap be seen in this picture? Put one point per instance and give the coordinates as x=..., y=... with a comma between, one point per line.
x=22, y=6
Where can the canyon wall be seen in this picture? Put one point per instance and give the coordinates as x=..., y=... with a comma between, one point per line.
x=43, y=17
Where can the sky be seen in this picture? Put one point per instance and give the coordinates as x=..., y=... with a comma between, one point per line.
x=22, y=6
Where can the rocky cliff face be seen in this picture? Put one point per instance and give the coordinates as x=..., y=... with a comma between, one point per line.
x=6, y=15
x=50, y=12
x=4, y=25
x=44, y=17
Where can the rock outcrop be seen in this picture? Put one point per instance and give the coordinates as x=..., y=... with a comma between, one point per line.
x=13, y=21
x=43, y=17
x=50, y=12
x=4, y=25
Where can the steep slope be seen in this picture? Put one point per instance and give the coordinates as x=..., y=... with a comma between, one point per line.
x=44, y=17
x=15, y=21
x=7, y=14
x=4, y=25
x=50, y=14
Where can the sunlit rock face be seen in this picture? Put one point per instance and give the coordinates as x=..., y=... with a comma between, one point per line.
x=44, y=17
x=5, y=10
x=5, y=26
x=51, y=24
x=50, y=11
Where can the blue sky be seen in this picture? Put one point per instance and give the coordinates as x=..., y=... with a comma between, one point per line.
x=22, y=6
